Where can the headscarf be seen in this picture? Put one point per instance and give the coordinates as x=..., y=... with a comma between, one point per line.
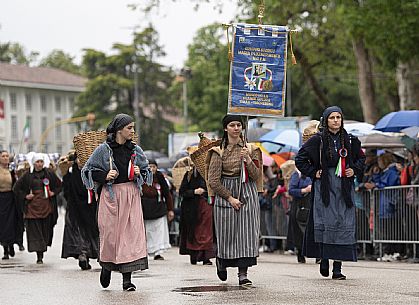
x=37, y=157
x=328, y=111
x=119, y=122
x=152, y=161
x=232, y=118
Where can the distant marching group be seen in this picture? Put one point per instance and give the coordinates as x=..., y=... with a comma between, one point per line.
x=119, y=203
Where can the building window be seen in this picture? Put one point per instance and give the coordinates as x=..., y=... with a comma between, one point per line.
x=43, y=103
x=59, y=149
x=43, y=124
x=45, y=148
x=28, y=100
x=30, y=147
x=29, y=122
x=13, y=103
x=71, y=105
x=57, y=104
x=58, y=130
x=13, y=127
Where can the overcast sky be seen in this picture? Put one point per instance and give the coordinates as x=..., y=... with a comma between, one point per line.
x=71, y=25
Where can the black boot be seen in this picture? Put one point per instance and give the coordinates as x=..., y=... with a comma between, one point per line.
x=221, y=272
x=40, y=256
x=324, y=267
x=105, y=277
x=127, y=285
x=6, y=252
x=84, y=262
x=337, y=271
x=11, y=250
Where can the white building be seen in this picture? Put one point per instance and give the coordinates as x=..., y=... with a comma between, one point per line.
x=39, y=97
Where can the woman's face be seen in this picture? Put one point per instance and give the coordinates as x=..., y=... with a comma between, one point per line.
x=153, y=168
x=4, y=158
x=127, y=132
x=334, y=121
x=234, y=129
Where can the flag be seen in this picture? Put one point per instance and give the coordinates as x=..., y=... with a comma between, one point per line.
x=26, y=132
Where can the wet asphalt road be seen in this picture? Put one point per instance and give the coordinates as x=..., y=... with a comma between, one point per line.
x=278, y=279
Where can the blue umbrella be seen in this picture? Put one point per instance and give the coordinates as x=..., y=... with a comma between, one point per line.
x=396, y=121
x=287, y=137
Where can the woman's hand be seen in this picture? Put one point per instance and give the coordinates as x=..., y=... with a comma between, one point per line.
x=245, y=155
x=235, y=203
x=136, y=170
x=199, y=191
x=306, y=190
x=349, y=172
x=29, y=196
x=170, y=216
x=319, y=174
x=112, y=174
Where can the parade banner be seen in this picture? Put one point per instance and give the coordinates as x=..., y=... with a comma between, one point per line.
x=258, y=70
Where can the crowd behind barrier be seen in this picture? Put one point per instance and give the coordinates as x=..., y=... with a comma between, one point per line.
x=387, y=222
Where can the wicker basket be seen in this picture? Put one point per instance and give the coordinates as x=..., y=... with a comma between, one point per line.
x=86, y=142
x=181, y=167
x=199, y=157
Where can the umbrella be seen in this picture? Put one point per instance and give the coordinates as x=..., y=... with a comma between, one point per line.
x=287, y=137
x=254, y=134
x=379, y=140
x=267, y=160
x=281, y=158
x=396, y=121
x=153, y=154
x=360, y=129
x=412, y=132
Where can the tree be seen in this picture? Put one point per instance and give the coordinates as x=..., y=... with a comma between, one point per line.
x=60, y=60
x=15, y=53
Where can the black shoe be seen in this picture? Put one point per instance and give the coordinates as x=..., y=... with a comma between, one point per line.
x=301, y=259
x=318, y=260
x=39, y=261
x=158, y=257
x=129, y=287
x=222, y=274
x=192, y=260
x=21, y=247
x=84, y=262
x=245, y=282
x=339, y=276
x=324, y=267
x=105, y=277
x=11, y=251
x=6, y=256
x=207, y=262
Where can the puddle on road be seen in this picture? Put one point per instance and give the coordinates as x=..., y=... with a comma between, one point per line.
x=209, y=288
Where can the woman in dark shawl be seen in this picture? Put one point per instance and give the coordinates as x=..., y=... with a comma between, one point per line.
x=331, y=158
x=81, y=234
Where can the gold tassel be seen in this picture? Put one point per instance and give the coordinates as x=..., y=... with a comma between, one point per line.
x=293, y=59
x=230, y=53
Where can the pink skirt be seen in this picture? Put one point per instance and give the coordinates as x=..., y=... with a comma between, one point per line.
x=121, y=225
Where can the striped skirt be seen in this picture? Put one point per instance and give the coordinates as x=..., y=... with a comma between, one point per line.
x=237, y=231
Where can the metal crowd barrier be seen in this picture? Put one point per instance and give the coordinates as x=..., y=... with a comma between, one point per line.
x=384, y=217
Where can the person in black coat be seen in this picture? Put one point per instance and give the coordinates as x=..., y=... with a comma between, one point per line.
x=196, y=225
x=331, y=158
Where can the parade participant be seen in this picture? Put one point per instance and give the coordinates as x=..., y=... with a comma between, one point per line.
x=8, y=213
x=196, y=229
x=37, y=191
x=157, y=210
x=235, y=176
x=81, y=235
x=117, y=170
x=331, y=158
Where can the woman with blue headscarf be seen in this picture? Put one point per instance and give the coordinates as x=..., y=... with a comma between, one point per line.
x=117, y=170
x=331, y=158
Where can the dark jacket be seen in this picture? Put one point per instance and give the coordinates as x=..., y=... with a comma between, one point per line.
x=156, y=203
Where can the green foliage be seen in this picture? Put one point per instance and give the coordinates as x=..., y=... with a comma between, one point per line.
x=110, y=89
x=15, y=53
x=60, y=60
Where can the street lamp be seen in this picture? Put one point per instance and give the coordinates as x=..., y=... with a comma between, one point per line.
x=186, y=74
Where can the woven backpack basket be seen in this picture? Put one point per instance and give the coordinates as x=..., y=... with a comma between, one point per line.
x=85, y=143
x=199, y=156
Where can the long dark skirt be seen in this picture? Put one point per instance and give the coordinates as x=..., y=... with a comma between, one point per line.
x=8, y=218
x=81, y=234
x=199, y=245
x=237, y=232
x=330, y=232
x=39, y=233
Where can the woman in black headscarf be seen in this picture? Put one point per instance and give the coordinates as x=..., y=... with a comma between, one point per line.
x=331, y=158
x=117, y=169
x=235, y=177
